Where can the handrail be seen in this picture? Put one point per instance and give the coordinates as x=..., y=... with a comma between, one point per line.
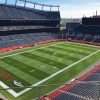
x=34, y=4
x=40, y=4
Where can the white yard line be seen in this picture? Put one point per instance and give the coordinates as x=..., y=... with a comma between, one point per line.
x=29, y=50
x=45, y=47
x=9, y=90
x=85, y=44
x=67, y=67
x=51, y=76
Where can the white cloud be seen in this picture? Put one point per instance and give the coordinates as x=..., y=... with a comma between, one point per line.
x=75, y=11
x=70, y=8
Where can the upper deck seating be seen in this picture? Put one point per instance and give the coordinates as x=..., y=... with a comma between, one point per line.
x=18, y=12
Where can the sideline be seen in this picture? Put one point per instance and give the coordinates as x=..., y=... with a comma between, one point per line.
x=51, y=76
x=48, y=46
x=29, y=50
x=85, y=44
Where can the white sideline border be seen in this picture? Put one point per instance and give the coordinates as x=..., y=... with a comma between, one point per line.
x=9, y=90
x=85, y=44
x=47, y=46
x=51, y=76
x=29, y=50
x=42, y=81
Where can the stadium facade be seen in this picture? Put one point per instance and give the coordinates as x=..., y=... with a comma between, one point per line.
x=21, y=26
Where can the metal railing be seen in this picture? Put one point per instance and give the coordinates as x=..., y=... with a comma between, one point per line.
x=33, y=4
x=38, y=92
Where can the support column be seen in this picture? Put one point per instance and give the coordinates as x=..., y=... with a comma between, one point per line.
x=5, y=1
x=25, y=4
x=50, y=8
x=15, y=2
x=42, y=7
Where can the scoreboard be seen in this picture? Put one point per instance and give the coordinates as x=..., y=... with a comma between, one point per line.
x=91, y=21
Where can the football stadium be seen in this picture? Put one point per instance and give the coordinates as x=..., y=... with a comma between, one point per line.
x=41, y=60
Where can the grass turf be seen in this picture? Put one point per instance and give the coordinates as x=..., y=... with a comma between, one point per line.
x=40, y=62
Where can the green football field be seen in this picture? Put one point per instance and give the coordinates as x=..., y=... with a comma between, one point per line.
x=53, y=63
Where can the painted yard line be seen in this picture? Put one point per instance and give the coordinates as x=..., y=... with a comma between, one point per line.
x=80, y=46
x=81, y=50
x=53, y=75
x=85, y=44
x=76, y=77
x=29, y=50
x=38, y=83
x=67, y=67
x=45, y=47
x=73, y=50
x=9, y=90
x=65, y=53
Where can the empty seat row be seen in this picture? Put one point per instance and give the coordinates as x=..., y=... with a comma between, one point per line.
x=27, y=38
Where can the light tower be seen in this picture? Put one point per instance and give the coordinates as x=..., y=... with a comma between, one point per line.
x=96, y=13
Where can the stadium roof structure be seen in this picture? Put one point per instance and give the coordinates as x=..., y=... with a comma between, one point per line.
x=34, y=4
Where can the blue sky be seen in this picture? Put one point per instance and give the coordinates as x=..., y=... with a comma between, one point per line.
x=71, y=8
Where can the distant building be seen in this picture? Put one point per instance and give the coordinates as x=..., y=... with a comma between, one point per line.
x=78, y=20
x=94, y=20
x=72, y=23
